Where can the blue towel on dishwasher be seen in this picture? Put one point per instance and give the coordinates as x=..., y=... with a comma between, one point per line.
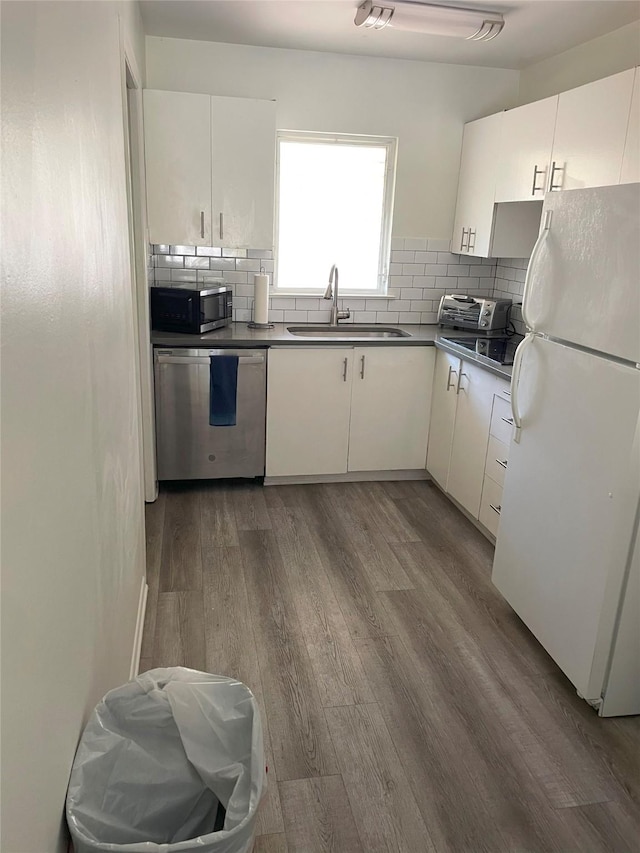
x=223, y=390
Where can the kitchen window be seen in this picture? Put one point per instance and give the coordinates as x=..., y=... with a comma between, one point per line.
x=334, y=206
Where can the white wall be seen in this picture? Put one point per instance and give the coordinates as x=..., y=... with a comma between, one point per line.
x=72, y=510
x=608, y=54
x=424, y=104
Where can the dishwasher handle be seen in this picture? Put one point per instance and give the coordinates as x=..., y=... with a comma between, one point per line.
x=191, y=359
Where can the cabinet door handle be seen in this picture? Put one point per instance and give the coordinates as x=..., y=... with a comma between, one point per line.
x=503, y=463
x=555, y=168
x=496, y=508
x=344, y=370
x=509, y=421
x=536, y=172
x=450, y=384
x=362, y=368
x=463, y=246
x=202, y=224
x=459, y=382
x=471, y=246
x=222, y=226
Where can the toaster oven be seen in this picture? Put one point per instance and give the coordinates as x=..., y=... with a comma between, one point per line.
x=191, y=308
x=472, y=312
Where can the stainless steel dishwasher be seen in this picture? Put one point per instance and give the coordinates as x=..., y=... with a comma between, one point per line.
x=188, y=447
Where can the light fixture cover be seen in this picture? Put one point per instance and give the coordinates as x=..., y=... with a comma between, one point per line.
x=430, y=18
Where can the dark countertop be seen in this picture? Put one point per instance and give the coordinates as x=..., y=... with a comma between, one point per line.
x=240, y=336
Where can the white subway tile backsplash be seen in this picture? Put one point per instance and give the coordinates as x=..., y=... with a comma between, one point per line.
x=249, y=264
x=242, y=315
x=413, y=269
x=364, y=317
x=196, y=263
x=403, y=257
x=415, y=243
x=420, y=272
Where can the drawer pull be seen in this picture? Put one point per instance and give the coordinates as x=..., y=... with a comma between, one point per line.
x=500, y=462
x=496, y=508
x=507, y=421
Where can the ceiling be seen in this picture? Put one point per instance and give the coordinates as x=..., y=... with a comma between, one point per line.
x=534, y=29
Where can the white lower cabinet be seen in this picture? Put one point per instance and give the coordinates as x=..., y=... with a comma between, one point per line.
x=390, y=404
x=308, y=411
x=333, y=410
x=466, y=400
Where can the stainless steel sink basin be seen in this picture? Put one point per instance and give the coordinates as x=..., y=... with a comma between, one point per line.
x=349, y=330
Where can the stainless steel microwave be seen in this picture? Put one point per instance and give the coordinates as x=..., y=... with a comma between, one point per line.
x=191, y=308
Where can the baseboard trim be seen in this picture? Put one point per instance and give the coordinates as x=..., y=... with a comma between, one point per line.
x=137, y=640
x=349, y=477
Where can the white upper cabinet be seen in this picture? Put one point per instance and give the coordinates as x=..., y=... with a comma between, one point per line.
x=591, y=128
x=243, y=134
x=390, y=405
x=210, y=166
x=631, y=159
x=177, y=132
x=525, y=151
x=476, y=186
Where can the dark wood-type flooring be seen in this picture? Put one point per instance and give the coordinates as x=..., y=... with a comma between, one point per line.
x=406, y=708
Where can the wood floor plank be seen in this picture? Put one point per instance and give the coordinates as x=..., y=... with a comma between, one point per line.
x=469, y=791
x=372, y=499
x=217, y=515
x=382, y=804
x=360, y=522
x=603, y=828
x=181, y=563
x=318, y=816
x=564, y=767
x=230, y=650
x=250, y=507
x=179, y=638
x=364, y=614
x=301, y=743
x=154, y=531
x=334, y=659
x=271, y=844
x=228, y=627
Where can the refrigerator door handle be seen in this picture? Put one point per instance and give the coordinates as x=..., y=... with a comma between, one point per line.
x=515, y=379
x=542, y=236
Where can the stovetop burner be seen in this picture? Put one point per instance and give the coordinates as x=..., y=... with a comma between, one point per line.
x=500, y=350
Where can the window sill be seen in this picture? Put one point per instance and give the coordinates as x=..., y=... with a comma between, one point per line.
x=288, y=294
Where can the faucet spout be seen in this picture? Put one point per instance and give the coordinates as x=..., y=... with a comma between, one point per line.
x=332, y=293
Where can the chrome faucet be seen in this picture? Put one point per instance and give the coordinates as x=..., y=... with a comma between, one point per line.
x=332, y=293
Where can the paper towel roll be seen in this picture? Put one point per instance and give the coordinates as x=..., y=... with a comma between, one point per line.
x=260, y=298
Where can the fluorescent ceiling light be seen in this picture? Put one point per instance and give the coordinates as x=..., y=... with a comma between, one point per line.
x=430, y=18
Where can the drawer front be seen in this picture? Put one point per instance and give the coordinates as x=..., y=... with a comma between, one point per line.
x=497, y=458
x=501, y=420
x=504, y=390
x=490, y=505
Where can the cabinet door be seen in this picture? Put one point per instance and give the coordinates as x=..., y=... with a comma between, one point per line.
x=590, y=133
x=476, y=186
x=443, y=415
x=525, y=154
x=631, y=159
x=471, y=436
x=390, y=404
x=243, y=133
x=308, y=406
x=177, y=143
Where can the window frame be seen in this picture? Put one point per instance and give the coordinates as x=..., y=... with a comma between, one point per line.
x=364, y=140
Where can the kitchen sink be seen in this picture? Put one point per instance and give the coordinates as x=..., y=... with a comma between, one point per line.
x=349, y=330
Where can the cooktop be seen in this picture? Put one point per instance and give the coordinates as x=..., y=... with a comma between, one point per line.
x=500, y=350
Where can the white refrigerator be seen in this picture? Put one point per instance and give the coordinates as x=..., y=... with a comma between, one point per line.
x=568, y=552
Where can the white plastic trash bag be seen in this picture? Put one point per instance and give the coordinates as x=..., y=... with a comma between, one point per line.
x=160, y=760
